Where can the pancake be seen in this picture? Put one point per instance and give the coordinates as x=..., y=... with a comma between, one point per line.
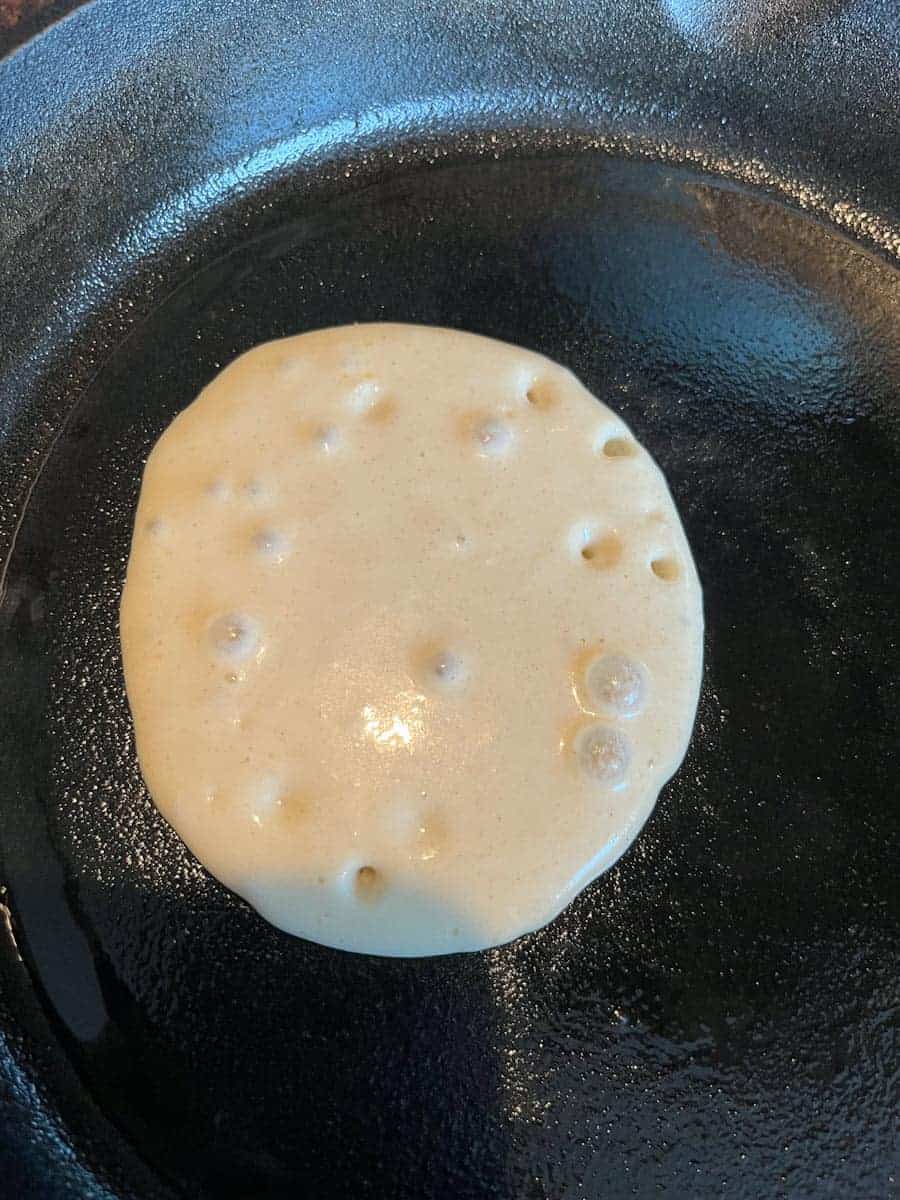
x=412, y=636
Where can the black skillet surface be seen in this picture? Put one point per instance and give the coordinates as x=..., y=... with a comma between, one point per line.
x=718, y=1014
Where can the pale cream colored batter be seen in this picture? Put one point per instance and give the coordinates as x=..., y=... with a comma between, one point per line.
x=411, y=634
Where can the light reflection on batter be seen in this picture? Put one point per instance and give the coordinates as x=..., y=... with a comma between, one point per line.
x=395, y=726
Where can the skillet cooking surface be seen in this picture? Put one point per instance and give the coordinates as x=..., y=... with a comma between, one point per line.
x=714, y=1015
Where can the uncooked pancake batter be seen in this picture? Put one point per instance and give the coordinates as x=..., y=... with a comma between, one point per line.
x=411, y=635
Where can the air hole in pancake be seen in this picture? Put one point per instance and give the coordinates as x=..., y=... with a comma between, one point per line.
x=666, y=567
x=619, y=447
x=369, y=884
x=603, y=551
x=382, y=411
x=541, y=395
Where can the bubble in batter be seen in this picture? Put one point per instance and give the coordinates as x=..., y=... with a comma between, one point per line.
x=271, y=544
x=233, y=637
x=442, y=667
x=325, y=437
x=603, y=754
x=617, y=685
x=493, y=438
x=364, y=397
x=265, y=800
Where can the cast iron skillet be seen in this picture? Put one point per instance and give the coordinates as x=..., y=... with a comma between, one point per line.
x=697, y=211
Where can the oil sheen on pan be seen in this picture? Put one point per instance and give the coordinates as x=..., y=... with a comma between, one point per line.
x=412, y=636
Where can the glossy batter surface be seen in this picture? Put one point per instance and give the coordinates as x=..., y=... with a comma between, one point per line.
x=411, y=633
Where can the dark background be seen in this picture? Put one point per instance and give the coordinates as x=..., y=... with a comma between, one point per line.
x=662, y=197
x=21, y=19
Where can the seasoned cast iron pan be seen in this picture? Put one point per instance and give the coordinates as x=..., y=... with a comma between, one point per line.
x=698, y=210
